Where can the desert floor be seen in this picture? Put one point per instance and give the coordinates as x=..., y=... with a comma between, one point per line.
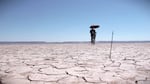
x=75, y=63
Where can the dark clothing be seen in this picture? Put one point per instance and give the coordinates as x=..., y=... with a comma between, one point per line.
x=93, y=32
x=93, y=36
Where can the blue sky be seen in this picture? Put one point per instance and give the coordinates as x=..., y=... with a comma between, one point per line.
x=69, y=20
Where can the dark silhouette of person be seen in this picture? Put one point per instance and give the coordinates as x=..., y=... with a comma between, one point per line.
x=93, y=35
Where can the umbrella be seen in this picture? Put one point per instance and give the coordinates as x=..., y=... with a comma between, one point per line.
x=94, y=26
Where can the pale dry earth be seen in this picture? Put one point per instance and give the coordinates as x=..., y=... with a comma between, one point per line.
x=75, y=63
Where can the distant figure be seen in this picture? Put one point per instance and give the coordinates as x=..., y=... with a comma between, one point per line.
x=93, y=35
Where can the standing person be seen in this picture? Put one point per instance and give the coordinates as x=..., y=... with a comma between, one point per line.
x=93, y=35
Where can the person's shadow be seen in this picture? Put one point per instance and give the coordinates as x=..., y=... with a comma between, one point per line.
x=1, y=82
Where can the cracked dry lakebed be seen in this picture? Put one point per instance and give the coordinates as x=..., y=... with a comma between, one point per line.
x=75, y=63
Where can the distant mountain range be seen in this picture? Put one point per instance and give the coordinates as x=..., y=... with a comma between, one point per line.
x=66, y=42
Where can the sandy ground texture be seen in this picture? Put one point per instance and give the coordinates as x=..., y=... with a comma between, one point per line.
x=75, y=63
